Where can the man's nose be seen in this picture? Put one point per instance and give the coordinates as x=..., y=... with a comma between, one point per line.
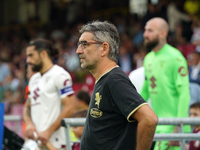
x=79, y=50
x=144, y=34
x=27, y=60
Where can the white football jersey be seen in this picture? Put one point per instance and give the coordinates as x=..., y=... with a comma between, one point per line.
x=46, y=92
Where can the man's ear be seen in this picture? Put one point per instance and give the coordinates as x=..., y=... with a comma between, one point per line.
x=43, y=54
x=163, y=33
x=105, y=49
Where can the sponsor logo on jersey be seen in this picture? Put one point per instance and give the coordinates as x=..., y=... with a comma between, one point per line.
x=182, y=71
x=96, y=113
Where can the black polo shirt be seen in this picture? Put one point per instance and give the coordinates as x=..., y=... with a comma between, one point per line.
x=108, y=124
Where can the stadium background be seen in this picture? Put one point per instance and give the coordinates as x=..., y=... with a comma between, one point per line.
x=60, y=20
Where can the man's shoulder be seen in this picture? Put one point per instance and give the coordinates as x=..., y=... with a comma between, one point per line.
x=113, y=76
x=58, y=70
x=173, y=51
x=116, y=72
x=117, y=75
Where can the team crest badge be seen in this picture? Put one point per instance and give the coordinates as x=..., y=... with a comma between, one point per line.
x=95, y=112
x=97, y=99
x=182, y=71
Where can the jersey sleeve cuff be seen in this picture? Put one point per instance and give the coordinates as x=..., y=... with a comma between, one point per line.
x=129, y=116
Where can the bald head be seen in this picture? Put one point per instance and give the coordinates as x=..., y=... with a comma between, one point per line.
x=159, y=23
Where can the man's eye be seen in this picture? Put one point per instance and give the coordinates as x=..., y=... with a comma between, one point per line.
x=84, y=44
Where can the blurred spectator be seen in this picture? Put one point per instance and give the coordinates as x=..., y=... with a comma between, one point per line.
x=8, y=98
x=82, y=100
x=138, y=37
x=179, y=34
x=4, y=72
x=189, y=60
x=139, y=57
x=195, y=112
x=194, y=69
x=155, y=9
x=182, y=39
x=194, y=93
x=71, y=58
x=125, y=59
x=175, y=16
x=12, y=82
x=132, y=21
x=196, y=32
x=57, y=34
x=120, y=22
x=125, y=40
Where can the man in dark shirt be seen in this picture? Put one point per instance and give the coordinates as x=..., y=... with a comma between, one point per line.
x=118, y=117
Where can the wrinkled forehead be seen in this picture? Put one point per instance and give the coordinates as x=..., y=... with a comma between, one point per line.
x=86, y=36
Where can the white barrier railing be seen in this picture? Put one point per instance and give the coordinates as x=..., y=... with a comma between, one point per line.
x=68, y=122
x=15, y=118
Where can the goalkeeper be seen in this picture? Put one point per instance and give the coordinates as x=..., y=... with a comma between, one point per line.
x=166, y=79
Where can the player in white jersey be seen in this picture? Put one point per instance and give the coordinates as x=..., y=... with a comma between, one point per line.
x=51, y=95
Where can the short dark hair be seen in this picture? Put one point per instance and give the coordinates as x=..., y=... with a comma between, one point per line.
x=83, y=96
x=195, y=105
x=43, y=44
x=80, y=114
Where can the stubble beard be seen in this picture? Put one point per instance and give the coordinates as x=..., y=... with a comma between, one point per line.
x=89, y=66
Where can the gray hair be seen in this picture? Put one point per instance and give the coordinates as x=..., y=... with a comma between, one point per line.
x=104, y=32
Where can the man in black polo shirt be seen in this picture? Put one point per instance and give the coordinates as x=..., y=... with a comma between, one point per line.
x=118, y=117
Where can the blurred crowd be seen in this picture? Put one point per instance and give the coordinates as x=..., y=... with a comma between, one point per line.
x=184, y=22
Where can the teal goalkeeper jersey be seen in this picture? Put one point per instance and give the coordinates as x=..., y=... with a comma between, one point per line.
x=167, y=84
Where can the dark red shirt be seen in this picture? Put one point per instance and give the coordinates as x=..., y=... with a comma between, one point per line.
x=76, y=146
x=195, y=145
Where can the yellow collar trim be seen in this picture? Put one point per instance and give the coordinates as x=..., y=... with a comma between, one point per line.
x=105, y=73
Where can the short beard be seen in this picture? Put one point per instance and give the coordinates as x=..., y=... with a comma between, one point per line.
x=151, y=44
x=37, y=68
